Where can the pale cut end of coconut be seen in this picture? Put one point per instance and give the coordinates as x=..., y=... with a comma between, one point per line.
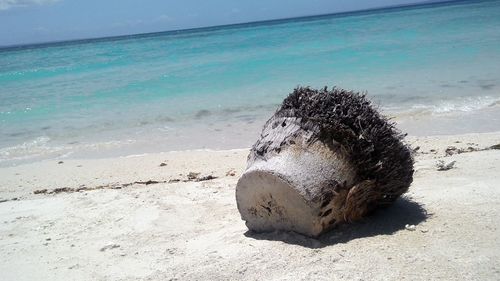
x=267, y=203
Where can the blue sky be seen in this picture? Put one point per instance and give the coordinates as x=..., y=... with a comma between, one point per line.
x=29, y=21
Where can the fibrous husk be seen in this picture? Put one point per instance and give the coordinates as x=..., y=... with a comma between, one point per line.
x=383, y=162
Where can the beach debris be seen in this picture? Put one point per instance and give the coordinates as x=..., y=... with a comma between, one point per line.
x=82, y=188
x=471, y=149
x=61, y=189
x=231, y=173
x=109, y=247
x=410, y=227
x=496, y=146
x=163, y=164
x=442, y=166
x=60, y=162
x=148, y=182
x=40, y=191
x=192, y=175
x=206, y=178
x=450, y=150
x=324, y=158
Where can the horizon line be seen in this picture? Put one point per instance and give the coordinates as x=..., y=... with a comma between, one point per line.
x=204, y=28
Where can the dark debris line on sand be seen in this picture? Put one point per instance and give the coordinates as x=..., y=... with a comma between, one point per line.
x=452, y=150
x=192, y=177
x=441, y=165
x=7, y=200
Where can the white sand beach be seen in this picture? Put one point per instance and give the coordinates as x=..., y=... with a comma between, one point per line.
x=134, y=218
x=126, y=127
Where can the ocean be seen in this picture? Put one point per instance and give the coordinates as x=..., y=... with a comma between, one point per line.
x=434, y=68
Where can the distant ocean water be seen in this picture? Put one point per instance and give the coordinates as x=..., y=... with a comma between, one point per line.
x=214, y=87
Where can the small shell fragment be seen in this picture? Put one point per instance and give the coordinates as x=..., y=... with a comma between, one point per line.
x=410, y=227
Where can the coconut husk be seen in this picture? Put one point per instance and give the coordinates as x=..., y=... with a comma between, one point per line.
x=375, y=147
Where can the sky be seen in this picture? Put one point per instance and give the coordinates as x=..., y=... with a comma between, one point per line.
x=35, y=21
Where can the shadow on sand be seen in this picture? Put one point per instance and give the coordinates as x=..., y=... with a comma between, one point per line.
x=382, y=222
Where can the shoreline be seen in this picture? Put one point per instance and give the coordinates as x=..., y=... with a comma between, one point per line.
x=215, y=134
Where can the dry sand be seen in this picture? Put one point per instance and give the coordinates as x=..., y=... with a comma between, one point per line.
x=126, y=229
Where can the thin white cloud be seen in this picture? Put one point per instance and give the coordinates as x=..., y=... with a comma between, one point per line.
x=138, y=22
x=8, y=4
x=163, y=18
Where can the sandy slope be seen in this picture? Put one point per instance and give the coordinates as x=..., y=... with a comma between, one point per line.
x=192, y=230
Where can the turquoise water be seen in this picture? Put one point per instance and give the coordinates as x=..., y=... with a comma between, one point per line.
x=213, y=87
